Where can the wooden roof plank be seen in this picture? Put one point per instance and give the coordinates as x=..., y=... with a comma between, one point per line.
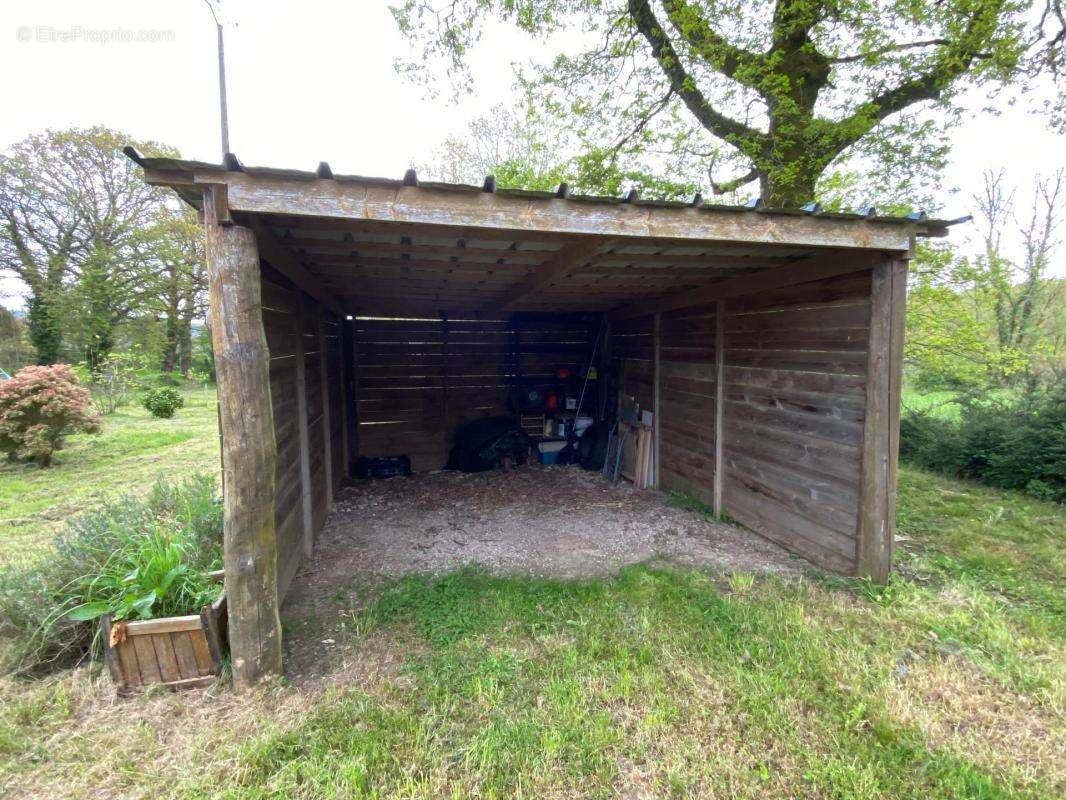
x=264, y=193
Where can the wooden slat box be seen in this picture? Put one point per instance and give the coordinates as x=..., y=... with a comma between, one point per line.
x=178, y=652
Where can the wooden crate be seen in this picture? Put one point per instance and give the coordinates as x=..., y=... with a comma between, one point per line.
x=178, y=652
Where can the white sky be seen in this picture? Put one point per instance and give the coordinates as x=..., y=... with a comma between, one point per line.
x=311, y=81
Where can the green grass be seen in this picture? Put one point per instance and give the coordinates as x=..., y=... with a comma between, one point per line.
x=946, y=683
x=131, y=452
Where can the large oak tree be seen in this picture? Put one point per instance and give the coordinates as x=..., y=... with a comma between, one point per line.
x=770, y=91
x=73, y=211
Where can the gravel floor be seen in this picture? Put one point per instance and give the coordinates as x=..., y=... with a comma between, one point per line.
x=554, y=521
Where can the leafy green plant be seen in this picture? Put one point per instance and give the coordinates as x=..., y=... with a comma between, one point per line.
x=151, y=578
x=134, y=557
x=163, y=401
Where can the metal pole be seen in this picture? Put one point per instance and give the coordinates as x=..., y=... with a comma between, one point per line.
x=221, y=79
x=222, y=90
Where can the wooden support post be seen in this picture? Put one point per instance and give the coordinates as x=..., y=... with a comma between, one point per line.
x=719, y=405
x=327, y=424
x=657, y=396
x=342, y=376
x=604, y=369
x=445, y=410
x=301, y=425
x=353, y=366
x=242, y=368
x=880, y=438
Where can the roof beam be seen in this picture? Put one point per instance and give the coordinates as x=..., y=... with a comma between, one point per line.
x=827, y=265
x=565, y=260
x=361, y=200
x=281, y=258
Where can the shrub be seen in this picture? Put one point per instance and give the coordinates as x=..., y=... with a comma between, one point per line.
x=163, y=402
x=135, y=557
x=114, y=378
x=38, y=407
x=1019, y=445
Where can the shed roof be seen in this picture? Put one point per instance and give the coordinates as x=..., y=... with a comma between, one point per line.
x=379, y=246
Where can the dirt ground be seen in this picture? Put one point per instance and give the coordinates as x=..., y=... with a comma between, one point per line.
x=561, y=522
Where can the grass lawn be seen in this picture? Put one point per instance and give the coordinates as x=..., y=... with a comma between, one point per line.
x=130, y=453
x=949, y=682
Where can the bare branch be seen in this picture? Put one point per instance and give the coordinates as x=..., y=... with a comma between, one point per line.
x=892, y=48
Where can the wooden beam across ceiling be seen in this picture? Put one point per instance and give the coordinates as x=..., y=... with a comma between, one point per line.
x=413, y=249
x=565, y=260
x=826, y=265
x=283, y=260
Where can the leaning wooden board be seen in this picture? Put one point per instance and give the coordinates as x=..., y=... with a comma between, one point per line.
x=177, y=652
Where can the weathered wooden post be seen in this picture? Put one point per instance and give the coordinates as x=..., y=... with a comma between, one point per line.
x=250, y=452
x=880, y=438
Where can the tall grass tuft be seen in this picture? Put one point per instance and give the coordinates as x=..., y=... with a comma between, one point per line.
x=135, y=557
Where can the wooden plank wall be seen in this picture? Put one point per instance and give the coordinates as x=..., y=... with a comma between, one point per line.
x=419, y=380
x=632, y=345
x=794, y=389
x=287, y=311
x=688, y=386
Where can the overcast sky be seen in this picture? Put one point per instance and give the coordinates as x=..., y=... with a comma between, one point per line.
x=312, y=81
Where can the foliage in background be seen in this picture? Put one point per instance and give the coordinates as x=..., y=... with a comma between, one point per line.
x=15, y=349
x=140, y=557
x=177, y=288
x=996, y=320
x=723, y=93
x=108, y=260
x=1010, y=445
x=114, y=379
x=72, y=211
x=163, y=401
x=38, y=407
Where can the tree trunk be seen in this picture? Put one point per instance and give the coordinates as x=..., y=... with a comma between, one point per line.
x=249, y=452
x=43, y=329
x=794, y=191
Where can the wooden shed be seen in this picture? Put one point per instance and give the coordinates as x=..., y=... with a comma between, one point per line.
x=361, y=316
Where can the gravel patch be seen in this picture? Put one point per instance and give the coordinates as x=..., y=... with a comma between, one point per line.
x=561, y=522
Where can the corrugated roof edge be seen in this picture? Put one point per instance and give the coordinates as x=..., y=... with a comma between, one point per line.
x=918, y=220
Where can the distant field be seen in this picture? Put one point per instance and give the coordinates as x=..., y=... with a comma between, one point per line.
x=941, y=403
x=130, y=453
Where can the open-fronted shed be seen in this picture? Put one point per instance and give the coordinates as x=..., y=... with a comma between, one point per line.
x=360, y=316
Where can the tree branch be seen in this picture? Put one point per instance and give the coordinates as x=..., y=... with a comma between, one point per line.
x=711, y=46
x=683, y=83
x=735, y=183
x=892, y=48
x=953, y=60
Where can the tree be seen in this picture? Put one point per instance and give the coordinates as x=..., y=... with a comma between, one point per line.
x=516, y=149
x=1021, y=295
x=997, y=319
x=15, y=351
x=72, y=211
x=176, y=283
x=777, y=90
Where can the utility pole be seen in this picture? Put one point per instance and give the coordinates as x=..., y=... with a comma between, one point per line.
x=221, y=79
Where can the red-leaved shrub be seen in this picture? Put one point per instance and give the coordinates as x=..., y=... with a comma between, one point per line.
x=38, y=407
